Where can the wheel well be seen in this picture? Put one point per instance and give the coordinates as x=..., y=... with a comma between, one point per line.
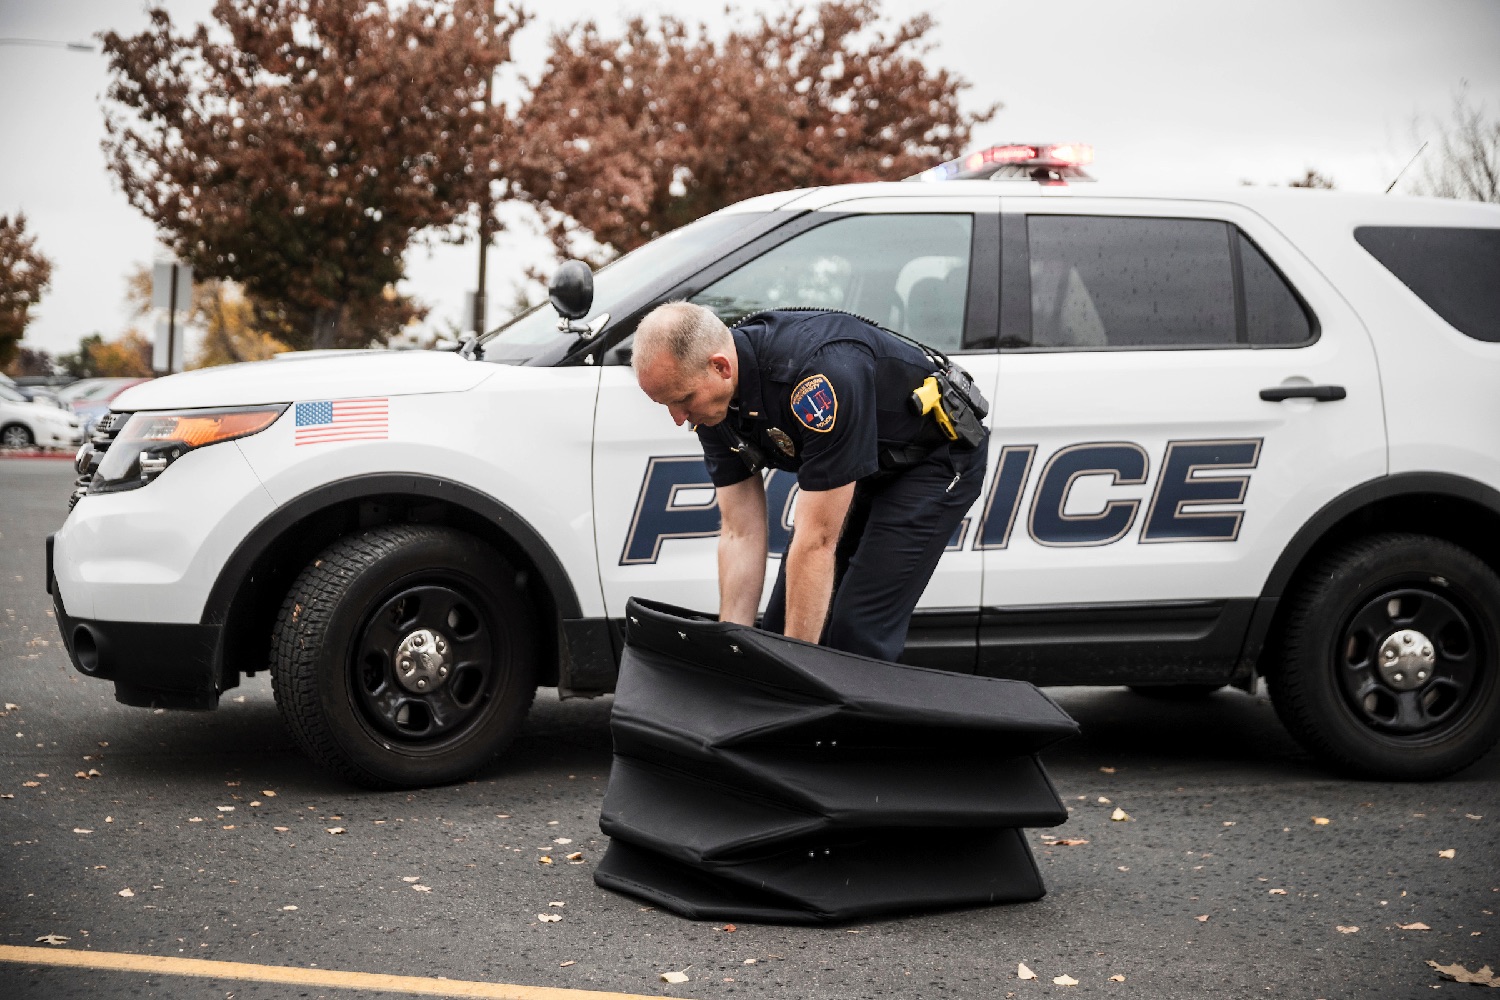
x=256, y=598
x=1468, y=523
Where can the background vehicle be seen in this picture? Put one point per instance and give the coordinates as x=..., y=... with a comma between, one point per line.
x=90, y=398
x=1235, y=434
x=34, y=391
x=27, y=424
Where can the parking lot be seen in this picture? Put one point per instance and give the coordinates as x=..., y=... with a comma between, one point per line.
x=1243, y=868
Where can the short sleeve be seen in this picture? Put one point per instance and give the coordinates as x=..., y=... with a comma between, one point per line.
x=833, y=409
x=725, y=467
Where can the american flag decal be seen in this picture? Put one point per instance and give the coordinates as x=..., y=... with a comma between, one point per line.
x=343, y=420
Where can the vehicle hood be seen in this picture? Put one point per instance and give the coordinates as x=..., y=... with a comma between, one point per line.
x=310, y=376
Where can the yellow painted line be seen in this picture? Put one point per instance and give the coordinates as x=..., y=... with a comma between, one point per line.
x=114, y=961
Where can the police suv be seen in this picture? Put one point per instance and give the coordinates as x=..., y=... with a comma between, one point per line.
x=1252, y=433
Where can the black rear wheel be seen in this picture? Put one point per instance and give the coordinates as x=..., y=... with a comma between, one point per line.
x=1390, y=663
x=403, y=656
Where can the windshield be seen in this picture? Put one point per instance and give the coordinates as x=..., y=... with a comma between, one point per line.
x=531, y=333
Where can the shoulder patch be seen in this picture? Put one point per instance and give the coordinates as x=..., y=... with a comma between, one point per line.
x=815, y=403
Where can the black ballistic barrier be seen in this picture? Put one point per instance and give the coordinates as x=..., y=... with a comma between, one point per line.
x=760, y=778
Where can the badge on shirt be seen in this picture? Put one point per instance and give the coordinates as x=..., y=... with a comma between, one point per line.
x=814, y=403
x=782, y=440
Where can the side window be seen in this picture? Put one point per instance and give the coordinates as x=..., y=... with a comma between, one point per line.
x=1452, y=270
x=906, y=272
x=1274, y=316
x=1102, y=282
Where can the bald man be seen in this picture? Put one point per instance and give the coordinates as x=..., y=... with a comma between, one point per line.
x=824, y=395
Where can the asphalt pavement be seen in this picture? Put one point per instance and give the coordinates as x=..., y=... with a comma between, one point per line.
x=1244, y=868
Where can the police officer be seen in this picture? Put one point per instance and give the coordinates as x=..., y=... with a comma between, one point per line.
x=825, y=395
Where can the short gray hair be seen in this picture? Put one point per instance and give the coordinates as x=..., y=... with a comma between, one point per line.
x=689, y=333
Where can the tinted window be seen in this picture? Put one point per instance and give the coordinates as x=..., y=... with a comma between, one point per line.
x=1100, y=282
x=1274, y=316
x=1455, y=271
x=906, y=272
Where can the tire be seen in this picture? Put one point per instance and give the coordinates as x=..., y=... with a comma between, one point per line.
x=16, y=436
x=1389, y=666
x=1176, y=692
x=337, y=657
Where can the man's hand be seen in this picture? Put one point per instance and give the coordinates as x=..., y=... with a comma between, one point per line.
x=810, y=561
x=742, y=549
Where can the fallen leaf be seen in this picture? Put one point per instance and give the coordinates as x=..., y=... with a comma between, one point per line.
x=1418, y=926
x=1024, y=973
x=54, y=938
x=1455, y=972
x=561, y=840
x=1229, y=822
x=79, y=829
x=195, y=819
x=127, y=893
x=1472, y=816
x=1321, y=820
x=81, y=774
x=268, y=793
x=1107, y=770
x=225, y=809
x=30, y=784
x=95, y=773
x=288, y=907
x=336, y=830
x=229, y=827
x=1202, y=919
x=564, y=965
x=730, y=928
x=1104, y=802
x=1117, y=979
x=748, y=961
x=422, y=888
x=1450, y=852
x=1278, y=892
x=1064, y=980
x=1347, y=930
x=549, y=918
x=674, y=977
x=255, y=802
x=281, y=829
x=411, y=878
x=1119, y=815
x=7, y=795
x=545, y=859
x=576, y=858
x=11, y=706
x=1074, y=842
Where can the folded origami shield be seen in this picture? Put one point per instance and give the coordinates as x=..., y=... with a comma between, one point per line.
x=761, y=778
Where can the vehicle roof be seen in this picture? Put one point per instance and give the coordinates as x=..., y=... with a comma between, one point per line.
x=1351, y=208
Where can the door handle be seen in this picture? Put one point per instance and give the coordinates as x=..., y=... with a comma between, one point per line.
x=1322, y=393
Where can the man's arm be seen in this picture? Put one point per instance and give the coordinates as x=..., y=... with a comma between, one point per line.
x=810, y=559
x=742, y=549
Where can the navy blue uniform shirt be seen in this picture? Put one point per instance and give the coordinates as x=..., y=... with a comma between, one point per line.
x=820, y=394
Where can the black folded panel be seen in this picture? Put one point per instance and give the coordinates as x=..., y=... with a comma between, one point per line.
x=760, y=778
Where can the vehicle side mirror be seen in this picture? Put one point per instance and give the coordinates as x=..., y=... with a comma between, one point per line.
x=572, y=290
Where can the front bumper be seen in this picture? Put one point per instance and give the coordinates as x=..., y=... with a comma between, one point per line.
x=153, y=664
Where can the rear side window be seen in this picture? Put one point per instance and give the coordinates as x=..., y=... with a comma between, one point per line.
x=1455, y=271
x=1098, y=281
x=1122, y=282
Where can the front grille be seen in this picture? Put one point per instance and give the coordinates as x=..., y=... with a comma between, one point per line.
x=104, y=434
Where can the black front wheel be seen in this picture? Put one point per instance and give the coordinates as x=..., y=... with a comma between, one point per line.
x=403, y=656
x=1390, y=662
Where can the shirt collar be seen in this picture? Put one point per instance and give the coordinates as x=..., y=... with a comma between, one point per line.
x=749, y=395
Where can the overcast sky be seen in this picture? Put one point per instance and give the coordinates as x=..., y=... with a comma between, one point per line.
x=1212, y=92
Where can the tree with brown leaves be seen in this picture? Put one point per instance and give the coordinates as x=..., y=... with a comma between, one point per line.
x=296, y=146
x=632, y=136
x=24, y=275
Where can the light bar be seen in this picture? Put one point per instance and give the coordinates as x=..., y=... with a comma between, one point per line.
x=982, y=163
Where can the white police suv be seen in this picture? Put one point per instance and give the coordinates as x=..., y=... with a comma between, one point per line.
x=1237, y=434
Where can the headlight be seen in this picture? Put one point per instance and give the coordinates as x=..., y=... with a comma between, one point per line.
x=151, y=441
